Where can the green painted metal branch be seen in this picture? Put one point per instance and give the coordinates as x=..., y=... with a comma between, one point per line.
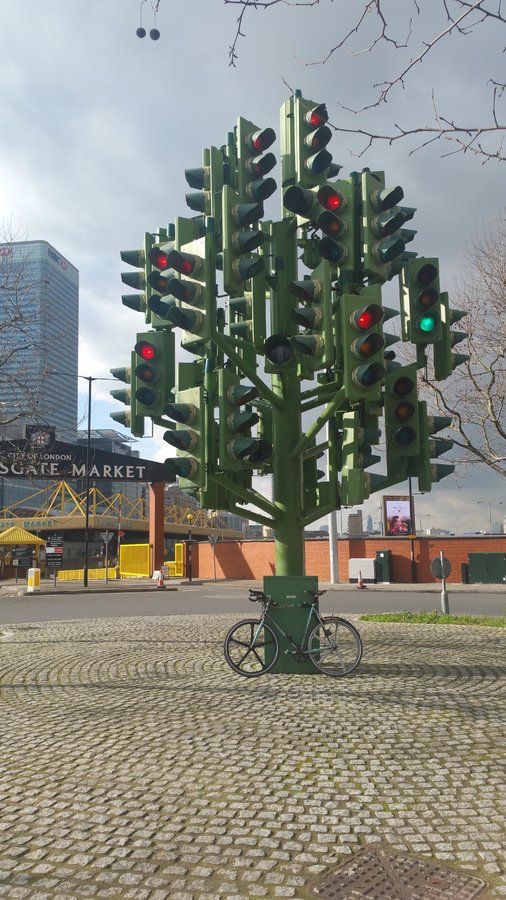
x=222, y=341
x=318, y=512
x=329, y=410
x=315, y=451
x=256, y=517
x=248, y=495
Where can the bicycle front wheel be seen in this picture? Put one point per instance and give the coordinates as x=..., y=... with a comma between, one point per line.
x=251, y=648
x=335, y=647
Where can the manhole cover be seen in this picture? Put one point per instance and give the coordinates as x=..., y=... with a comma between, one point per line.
x=378, y=875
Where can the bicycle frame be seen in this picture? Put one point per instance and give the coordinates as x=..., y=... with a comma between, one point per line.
x=265, y=618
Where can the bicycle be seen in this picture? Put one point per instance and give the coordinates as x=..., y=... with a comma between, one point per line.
x=251, y=646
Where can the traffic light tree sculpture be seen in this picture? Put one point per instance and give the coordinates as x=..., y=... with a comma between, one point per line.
x=234, y=407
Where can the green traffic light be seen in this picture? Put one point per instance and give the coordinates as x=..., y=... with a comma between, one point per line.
x=427, y=324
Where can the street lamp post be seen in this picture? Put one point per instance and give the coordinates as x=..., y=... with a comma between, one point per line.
x=190, y=520
x=90, y=379
x=424, y=516
x=490, y=503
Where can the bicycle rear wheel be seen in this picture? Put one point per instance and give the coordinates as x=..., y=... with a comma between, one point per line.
x=251, y=648
x=335, y=647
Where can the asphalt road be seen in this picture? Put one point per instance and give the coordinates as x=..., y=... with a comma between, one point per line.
x=223, y=598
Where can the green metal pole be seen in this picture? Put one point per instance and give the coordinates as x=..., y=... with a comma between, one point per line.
x=289, y=539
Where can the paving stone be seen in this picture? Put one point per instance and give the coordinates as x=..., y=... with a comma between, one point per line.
x=139, y=760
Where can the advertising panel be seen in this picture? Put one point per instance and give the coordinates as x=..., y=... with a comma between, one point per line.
x=397, y=517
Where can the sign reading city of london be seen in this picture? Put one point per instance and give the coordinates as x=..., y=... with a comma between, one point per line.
x=30, y=459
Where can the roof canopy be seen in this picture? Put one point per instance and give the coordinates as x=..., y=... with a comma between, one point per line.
x=17, y=536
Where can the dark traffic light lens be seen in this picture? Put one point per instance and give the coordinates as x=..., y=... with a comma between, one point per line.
x=405, y=436
x=427, y=298
x=331, y=224
x=404, y=410
x=319, y=139
x=146, y=396
x=403, y=386
x=146, y=374
x=278, y=350
x=426, y=274
x=366, y=347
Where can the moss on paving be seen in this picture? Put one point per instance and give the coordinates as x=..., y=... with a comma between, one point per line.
x=434, y=618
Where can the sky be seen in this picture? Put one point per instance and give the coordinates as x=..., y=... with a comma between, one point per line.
x=98, y=127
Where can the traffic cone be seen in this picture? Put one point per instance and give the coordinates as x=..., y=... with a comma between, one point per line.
x=360, y=583
x=160, y=584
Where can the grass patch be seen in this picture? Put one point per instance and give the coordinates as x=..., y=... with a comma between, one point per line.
x=434, y=618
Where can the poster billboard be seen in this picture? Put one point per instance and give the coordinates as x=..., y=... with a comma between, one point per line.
x=397, y=516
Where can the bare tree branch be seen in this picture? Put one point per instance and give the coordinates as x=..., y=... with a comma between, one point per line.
x=461, y=17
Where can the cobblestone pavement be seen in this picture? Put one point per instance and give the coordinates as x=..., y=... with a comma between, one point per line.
x=134, y=763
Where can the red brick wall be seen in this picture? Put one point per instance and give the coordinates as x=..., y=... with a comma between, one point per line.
x=254, y=559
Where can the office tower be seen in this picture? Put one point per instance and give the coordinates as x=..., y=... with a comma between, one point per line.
x=39, y=320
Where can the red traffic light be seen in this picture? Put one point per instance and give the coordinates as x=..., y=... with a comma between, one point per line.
x=184, y=263
x=158, y=258
x=317, y=116
x=330, y=198
x=261, y=140
x=363, y=319
x=145, y=350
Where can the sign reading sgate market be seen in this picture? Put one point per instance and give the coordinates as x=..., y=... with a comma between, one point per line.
x=55, y=459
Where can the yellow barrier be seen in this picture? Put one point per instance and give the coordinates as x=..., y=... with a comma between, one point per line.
x=93, y=574
x=135, y=561
x=175, y=566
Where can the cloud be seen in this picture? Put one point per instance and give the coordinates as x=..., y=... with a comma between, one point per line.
x=98, y=127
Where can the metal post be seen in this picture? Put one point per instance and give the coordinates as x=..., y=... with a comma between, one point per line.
x=444, y=594
x=106, y=554
x=89, y=379
x=190, y=519
x=411, y=540
x=333, y=551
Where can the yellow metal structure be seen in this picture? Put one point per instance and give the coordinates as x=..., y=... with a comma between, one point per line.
x=176, y=566
x=135, y=561
x=58, y=507
x=93, y=574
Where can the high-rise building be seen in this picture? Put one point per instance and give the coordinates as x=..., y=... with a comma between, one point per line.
x=39, y=314
x=39, y=320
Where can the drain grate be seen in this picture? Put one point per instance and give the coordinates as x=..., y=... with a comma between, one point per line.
x=379, y=875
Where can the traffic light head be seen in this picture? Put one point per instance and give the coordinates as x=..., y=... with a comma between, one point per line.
x=153, y=371
x=363, y=343
x=402, y=428
x=382, y=236
x=252, y=165
x=278, y=351
x=421, y=301
x=311, y=137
